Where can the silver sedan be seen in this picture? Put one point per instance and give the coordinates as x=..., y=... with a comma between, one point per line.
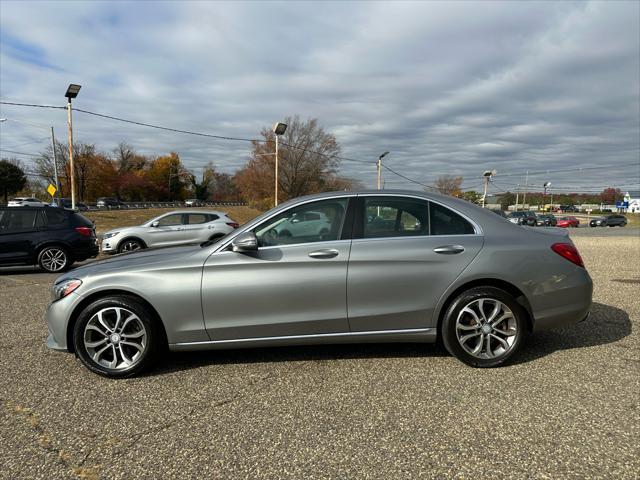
x=170, y=229
x=388, y=267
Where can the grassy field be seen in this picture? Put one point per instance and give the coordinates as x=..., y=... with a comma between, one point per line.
x=109, y=219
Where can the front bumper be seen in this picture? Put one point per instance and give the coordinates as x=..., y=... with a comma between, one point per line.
x=110, y=245
x=57, y=317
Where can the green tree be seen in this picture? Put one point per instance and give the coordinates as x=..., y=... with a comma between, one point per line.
x=12, y=178
x=471, y=196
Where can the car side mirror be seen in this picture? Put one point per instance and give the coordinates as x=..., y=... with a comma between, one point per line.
x=155, y=224
x=246, y=242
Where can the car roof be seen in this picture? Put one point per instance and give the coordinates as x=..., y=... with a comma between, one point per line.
x=191, y=210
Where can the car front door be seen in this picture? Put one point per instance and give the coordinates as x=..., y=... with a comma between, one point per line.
x=292, y=285
x=168, y=231
x=405, y=253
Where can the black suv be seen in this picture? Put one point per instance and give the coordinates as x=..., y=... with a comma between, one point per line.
x=51, y=237
x=609, y=221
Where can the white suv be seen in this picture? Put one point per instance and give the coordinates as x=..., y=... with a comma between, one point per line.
x=25, y=202
x=172, y=228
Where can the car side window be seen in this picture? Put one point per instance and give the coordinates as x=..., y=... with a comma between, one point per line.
x=17, y=221
x=170, y=220
x=447, y=222
x=320, y=221
x=196, y=218
x=55, y=218
x=211, y=217
x=395, y=217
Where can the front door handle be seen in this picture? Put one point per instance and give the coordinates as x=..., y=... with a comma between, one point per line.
x=324, y=253
x=449, y=249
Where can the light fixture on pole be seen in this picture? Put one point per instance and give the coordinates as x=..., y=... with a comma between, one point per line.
x=72, y=92
x=545, y=185
x=380, y=167
x=53, y=147
x=278, y=128
x=487, y=176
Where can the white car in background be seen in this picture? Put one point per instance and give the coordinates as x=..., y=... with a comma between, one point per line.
x=172, y=228
x=25, y=202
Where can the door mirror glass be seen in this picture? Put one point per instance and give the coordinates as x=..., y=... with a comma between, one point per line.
x=246, y=242
x=155, y=224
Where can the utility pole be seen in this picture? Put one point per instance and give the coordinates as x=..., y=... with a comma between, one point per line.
x=55, y=163
x=524, y=196
x=517, y=195
x=487, y=176
x=279, y=128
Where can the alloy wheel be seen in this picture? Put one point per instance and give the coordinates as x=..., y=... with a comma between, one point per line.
x=486, y=328
x=53, y=259
x=115, y=338
x=130, y=246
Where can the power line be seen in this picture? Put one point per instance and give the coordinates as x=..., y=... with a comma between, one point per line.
x=570, y=170
x=31, y=105
x=21, y=153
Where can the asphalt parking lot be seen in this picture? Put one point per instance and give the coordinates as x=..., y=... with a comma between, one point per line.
x=568, y=407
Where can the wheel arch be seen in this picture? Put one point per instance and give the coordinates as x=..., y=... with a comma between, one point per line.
x=108, y=293
x=52, y=243
x=488, y=282
x=132, y=237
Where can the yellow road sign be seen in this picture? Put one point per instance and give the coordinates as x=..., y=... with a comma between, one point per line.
x=51, y=190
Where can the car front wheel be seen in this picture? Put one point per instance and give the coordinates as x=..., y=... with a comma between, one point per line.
x=484, y=327
x=117, y=337
x=130, y=245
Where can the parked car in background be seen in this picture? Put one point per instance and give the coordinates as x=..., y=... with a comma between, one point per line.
x=53, y=238
x=609, y=221
x=66, y=203
x=569, y=208
x=302, y=225
x=192, y=202
x=546, y=220
x=567, y=222
x=523, y=218
x=110, y=202
x=394, y=266
x=172, y=228
x=25, y=202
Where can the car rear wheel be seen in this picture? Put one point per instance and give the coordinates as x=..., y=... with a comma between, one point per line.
x=130, y=245
x=53, y=259
x=117, y=337
x=484, y=327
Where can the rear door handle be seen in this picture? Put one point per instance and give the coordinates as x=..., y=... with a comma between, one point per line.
x=449, y=249
x=324, y=253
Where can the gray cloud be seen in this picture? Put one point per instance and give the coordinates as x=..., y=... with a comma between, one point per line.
x=448, y=88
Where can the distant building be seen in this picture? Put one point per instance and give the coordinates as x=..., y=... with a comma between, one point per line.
x=631, y=202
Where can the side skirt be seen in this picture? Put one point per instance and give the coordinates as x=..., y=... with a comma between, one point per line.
x=418, y=335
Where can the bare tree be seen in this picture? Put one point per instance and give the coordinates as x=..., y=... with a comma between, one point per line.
x=449, y=185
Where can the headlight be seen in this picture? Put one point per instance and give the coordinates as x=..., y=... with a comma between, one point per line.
x=109, y=235
x=61, y=290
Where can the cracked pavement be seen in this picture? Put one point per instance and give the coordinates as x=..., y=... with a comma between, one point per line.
x=567, y=407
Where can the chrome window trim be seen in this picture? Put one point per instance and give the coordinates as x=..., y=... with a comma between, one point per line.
x=474, y=224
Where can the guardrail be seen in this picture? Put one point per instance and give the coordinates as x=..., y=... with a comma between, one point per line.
x=145, y=205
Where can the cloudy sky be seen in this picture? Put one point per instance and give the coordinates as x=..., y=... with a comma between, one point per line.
x=447, y=87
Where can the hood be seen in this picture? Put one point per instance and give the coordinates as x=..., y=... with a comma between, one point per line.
x=598, y=218
x=131, y=261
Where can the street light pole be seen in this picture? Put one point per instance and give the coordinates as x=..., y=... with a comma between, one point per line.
x=279, y=128
x=380, y=167
x=72, y=92
x=487, y=176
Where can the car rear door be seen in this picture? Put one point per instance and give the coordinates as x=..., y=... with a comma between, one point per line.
x=17, y=229
x=405, y=252
x=197, y=226
x=292, y=285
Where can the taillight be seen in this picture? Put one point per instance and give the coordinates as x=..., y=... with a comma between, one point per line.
x=568, y=251
x=84, y=231
x=233, y=224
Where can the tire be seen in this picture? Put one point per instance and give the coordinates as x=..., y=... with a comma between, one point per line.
x=130, y=245
x=117, y=347
x=54, y=259
x=465, y=334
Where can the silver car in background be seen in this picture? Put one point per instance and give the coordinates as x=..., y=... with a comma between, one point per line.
x=169, y=229
x=393, y=266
